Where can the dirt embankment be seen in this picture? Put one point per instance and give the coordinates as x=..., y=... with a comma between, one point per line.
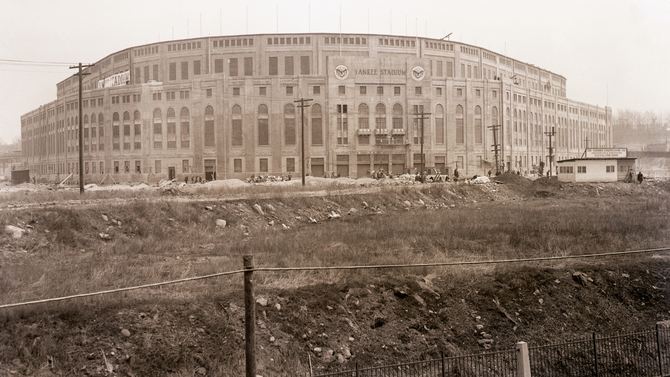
x=389, y=319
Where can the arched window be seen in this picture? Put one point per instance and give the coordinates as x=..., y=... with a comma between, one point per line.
x=397, y=117
x=137, y=132
x=439, y=124
x=380, y=116
x=116, y=133
x=158, y=129
x=263, y=130
x=460, y=125
x=289, y=124
x=101, y=133
x=237, y=138
x=479, y=128
x=185, y=127
x=210, y=136
x=126, y=130
x=171, y=129
x=317, y=125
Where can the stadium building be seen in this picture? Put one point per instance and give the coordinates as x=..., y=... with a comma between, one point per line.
x=230, y=107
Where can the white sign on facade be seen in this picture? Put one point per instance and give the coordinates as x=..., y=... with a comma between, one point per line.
x=115, y=80
x=606, y=153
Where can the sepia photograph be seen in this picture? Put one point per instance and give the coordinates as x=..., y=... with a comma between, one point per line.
x=353, y=188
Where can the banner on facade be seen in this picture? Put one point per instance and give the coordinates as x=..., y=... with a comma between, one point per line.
x=606, y=153
x=115, y=80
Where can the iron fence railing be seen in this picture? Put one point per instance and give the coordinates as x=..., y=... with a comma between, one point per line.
x=491, y=364
x=642, y=353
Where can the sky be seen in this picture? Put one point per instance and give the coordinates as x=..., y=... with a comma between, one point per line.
x=612, y=52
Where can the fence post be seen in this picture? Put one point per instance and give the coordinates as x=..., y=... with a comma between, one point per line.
x=658, y=351
x=443, y=371
x=522, y=360
x=595, y=354
x=249, y=316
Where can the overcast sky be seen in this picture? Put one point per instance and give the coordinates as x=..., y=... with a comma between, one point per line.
x=612, y=52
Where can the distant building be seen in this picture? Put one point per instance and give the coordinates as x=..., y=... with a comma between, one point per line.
x=598, y=165
x=228, y=107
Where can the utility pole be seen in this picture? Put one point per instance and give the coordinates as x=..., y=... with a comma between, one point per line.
x=422, y=116
x=302, y=135
x=496, y=146
x=81, y=129
x=551, y=151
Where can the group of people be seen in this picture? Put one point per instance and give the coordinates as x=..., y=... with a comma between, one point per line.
x=268, y=178
x=630, y=177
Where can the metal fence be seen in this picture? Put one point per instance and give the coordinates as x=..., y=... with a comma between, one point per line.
x=644, y=353
x=492, y=364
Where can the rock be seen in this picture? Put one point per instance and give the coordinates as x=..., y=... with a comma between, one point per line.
x=479, y=327
x=220, y=223
x=485, y=341
x=285, y=226
x=271, y=223
x=407, y=203
x=312, y=220
x=272, y=339
x=365, y=205
x=340, y=358
x=16, y=232
x=581, y=278
x=317, y=349
x=125, y=333
x=258, y=209
x=262, y=301
x=270, y=207
x=105, y=236
x=200, y=371
x=419, y=299
x=399, y=292
x=104, y=217
x=278, y=306
x=333, y=215
x=346, y=352
x=421, y=202
x=352, y=211
x=209, y=208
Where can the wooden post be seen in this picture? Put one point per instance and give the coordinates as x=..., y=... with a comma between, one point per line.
x=249, y=316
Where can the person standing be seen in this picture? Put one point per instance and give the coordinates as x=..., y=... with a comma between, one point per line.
x=640, y=177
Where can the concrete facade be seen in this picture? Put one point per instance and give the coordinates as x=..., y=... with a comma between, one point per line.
x=227, y=107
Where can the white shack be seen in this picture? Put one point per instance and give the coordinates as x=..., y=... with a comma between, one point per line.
x=598, y=165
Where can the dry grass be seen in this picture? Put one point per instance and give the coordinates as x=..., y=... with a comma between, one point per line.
x=159, y=241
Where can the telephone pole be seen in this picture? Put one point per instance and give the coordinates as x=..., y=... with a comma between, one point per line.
x=551, y=151
x=422, y=116
x=81, y=129
x=302, y=135
x=496, y=146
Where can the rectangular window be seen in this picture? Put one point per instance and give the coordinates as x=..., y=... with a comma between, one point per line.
x=364, y=90
x=262, y=91
x=237, y=165
x=438, y=92
x=263, y=132
x=184, y=166
x=439, y=68
x=289, y=90
x=380, y=90
x=248, y=66
x=316, y=90
x=273, y=66
x=290, y=165
x=581, y=169
x=450, y=69
x=341, y=90
x=196, y=67
x=232, y=67
x=304, y=65
x=173, y=71
x=184, y=70
x=146, y=74
x=218, y=65
x=155, y=72
x=263, y=165
x=459, y=92
x=396, y=90
x=236, y=91
x=610, y=169
x=417, y=90
x=288, y=65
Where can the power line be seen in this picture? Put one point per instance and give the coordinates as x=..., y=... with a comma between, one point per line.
x=281, y=269
x=32, y=62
